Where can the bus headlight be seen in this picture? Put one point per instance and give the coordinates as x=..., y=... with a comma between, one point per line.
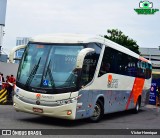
x=68, y=101
x=17, y=95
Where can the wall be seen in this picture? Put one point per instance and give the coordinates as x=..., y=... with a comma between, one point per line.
x=8, y=69
x=3, y=4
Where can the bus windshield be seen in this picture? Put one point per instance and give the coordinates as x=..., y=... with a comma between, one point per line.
x=49, y=66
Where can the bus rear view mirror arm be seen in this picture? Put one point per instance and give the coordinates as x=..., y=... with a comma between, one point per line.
x=81, y=56
x=12, y=52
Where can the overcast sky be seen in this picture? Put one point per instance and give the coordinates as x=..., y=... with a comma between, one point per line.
x=27, y=18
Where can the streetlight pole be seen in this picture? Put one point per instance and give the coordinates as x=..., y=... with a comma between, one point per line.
x=3, y=5
x=1, y=37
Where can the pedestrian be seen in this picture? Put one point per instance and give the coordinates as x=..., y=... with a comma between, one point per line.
x=11, y=82
x=7, y=87
x=3, y=80
x=12, y=79
x=7, y=84
x=158, y=96
x=0, y=82
x=7, y=78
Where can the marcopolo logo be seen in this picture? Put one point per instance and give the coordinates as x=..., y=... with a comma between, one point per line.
x=146, y=8
x=38, y=96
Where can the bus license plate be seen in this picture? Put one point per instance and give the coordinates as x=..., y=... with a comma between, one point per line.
x=38, y=110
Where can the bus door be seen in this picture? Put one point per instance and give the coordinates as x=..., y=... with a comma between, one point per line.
x=86, y=73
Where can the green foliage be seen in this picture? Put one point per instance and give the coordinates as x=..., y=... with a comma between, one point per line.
x=117, y=36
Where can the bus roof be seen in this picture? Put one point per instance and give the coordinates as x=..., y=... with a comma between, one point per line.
x=83, y=38
x=65, y=38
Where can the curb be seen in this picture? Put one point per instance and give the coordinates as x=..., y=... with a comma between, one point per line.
x=152, y=106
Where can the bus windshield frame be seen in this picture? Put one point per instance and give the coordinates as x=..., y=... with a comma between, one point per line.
x=49, y=68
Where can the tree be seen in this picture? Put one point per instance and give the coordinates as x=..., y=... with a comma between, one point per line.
x=118, y=37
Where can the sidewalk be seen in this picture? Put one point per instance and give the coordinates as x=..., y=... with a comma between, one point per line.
x=152, y=106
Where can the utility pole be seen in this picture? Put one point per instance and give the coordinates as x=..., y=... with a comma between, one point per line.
x=1, y=37
x=3, y=4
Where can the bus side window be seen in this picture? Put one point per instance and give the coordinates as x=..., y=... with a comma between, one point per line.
x=148, y=71
x=105, y=68
x=89, y=67
x=144, y=70
x=108, y=65
x=90, y=63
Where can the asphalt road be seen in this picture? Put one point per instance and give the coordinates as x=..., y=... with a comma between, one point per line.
x=147, y=118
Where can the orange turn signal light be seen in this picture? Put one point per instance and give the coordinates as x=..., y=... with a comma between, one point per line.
x=69, y=112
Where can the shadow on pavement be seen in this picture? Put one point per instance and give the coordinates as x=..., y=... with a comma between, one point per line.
x=55, y=121
x=121, y=114
x=73, y=123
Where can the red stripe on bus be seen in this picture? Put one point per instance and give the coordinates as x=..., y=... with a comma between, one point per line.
x=143, y=59
x=136, y=91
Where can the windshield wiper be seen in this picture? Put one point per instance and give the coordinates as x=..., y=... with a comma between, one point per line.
x=33, y=72
x=50, y=74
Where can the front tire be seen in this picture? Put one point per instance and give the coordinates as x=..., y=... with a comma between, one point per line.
x=98, y=112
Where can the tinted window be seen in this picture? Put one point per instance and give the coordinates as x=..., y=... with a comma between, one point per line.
x=49, y=66
x=120, y=63
x=108, y=62
x=90, y=63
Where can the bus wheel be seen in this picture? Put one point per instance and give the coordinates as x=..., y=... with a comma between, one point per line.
x=137, y=107
x=98, y=112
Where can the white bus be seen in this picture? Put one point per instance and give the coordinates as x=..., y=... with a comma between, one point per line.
x=79, y=76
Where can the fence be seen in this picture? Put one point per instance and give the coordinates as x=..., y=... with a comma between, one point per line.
x=3, y=96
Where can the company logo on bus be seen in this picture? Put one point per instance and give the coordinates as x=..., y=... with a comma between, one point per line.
x=109, y=79
x=38, y=95
x=112, y=83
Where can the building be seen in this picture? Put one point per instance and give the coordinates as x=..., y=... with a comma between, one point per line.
x=3, y=5
x=152, y=54
x=20, y=41
x=3, y=57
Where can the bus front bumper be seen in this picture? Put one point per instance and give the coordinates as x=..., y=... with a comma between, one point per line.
x=67, y=111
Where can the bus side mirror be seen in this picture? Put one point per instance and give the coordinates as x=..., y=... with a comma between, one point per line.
x=79, y=64
x=81, y=56
x=12, y=52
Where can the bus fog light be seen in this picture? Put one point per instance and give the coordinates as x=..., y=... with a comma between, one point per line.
x=79, y=105
x=90, y=105
x=14, y=104
x=69, y=112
